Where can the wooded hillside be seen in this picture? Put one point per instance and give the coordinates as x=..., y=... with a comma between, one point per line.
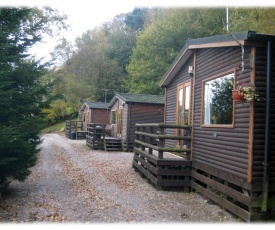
x=132, y=52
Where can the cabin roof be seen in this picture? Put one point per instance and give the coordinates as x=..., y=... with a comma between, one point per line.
x=138, y=98
x=95, y=105
x=211, y=42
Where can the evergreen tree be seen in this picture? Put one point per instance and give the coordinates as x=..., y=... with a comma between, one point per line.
x=21, y=90
x=136, y=20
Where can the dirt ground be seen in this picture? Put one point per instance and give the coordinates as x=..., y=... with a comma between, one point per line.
x=72, y=183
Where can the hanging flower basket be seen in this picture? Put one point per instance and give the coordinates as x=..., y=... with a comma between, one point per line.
x=245, y=93
x=236, y=96
x=248, y=92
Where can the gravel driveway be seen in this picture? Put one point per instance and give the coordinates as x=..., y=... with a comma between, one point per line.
x=72, y=183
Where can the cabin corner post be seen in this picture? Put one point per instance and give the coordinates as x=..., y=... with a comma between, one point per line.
x=129, y=111
x=267, y=129
x=251, y=120
x=193, y=104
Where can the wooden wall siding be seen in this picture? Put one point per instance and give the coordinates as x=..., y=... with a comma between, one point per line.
x=229, y=151
x=144, y=113
x=171, y=92
x=260, y=113
x=125, y=121
x=100, y=116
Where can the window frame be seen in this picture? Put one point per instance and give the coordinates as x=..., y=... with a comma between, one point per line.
x=232, y=71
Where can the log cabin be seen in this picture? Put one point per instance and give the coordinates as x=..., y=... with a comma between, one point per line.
x=128, y=109
x=231, y=144
x=94, y=112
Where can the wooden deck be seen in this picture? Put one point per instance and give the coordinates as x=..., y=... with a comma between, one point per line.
x=96, y=138
x=74, y=130
x=158, y=163
x=171, y=167
x=171, y=171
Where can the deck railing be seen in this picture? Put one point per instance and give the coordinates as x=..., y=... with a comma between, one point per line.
x=153, y=158
x=74, y=130
x=153, y=137
x=95, y=137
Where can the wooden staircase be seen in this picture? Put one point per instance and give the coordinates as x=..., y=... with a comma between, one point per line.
x=113, y=144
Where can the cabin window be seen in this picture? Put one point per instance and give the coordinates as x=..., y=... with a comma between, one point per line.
x=217, y=100
x=113, y=117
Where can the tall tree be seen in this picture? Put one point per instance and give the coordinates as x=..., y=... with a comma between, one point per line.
x=96, y=66
x=121, y=41
x=21, y=89
x=90, y=69
x=160, y=42
x=261, y=20
x=136, y=20
x=63, y=52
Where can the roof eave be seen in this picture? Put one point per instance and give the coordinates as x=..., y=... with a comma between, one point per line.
x=83, y=106
x=172, y=71
x=95, y=105
x=112, y=102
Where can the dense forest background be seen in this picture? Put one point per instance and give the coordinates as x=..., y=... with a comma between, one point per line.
x=132, y=52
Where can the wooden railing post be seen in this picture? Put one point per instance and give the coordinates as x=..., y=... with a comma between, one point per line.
x=161, y=142
x=143, y=138
x=188, y=144
x=146, y=137
x=137, y=137
x=151, y=140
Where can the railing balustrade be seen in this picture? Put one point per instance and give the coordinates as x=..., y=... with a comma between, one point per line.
x=153, y=137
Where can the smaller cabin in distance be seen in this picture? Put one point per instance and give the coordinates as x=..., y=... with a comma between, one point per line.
x=128, y=109
x=94, y=112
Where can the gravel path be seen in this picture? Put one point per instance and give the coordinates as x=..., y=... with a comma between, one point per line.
x=72, y=183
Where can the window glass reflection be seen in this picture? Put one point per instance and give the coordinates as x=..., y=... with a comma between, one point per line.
x=218, y=102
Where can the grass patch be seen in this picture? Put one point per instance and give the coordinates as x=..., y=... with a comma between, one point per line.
x=55, y=128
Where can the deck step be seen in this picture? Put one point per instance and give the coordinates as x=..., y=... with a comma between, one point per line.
x=113, y=145
x=113, y=149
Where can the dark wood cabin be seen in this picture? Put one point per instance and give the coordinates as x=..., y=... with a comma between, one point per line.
x=94, y=112
x=128, y=109
x=232, y=149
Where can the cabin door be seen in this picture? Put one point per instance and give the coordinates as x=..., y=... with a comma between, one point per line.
x=183, y=110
